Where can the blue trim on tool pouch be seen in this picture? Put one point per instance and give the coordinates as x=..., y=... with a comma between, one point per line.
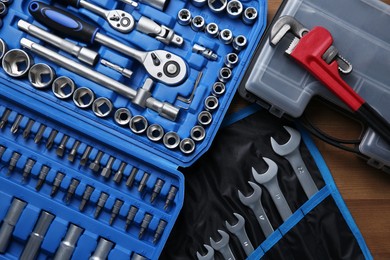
x=243, y=113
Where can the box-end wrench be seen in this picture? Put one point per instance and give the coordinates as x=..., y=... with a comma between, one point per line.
x=239, y=231
x=290, y=151
x=253, y=202
x=222, y=245
x=161, y=65
x=119, y=20
x=269, y=180
x=208, y=256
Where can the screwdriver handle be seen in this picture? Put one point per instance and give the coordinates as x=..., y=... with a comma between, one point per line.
x=63, y=22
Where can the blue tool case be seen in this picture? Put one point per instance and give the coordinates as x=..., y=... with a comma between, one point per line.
x=93, y=131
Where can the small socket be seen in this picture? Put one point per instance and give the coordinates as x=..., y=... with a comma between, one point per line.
x=138, y=124
x=234, y=9
x=102, y=107
x=63, y=87
x=212, y=30
x=122, y=116
x=225, y=74
x=226, y=36
x=41, y=75
x=199, y=3
x=205, y=118
x=231, y=60
x=171, y=140
x=240, y=42
x=16, y=63
x=83, y=97
x=187, y=146
x=155, y=132
x=211, y=103
x=198, y=23
x=184, y=17
x=249, y=16
x=219, y=89
x=198, y=133
x=217, y=6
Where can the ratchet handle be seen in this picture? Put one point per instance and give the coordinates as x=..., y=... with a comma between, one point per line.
x=64, y=22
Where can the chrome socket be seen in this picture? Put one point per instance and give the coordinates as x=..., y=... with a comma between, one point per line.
x=226, y=36
x=199, y=3
x=122, y=116
x=212, y=30
x=3, y=48
x=240, y=42
x=217, y=6
x=3, y=9
x=63, y=87
x=198, y=133
x=231, y=60
x=234, y=9
x=198, y=23
x=225, y=74
x=205, y=118
x=249, y=16
x=187, y=146
x=171, y=140
x=41, y=75
x=211, y=103
x=102, y=107
x=138, y=124
x=83, y=97
x=219, y=89
x=16, y=63
x=184, y=17
x=155, y=132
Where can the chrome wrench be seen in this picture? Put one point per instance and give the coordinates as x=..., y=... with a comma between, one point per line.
x=161, y=65
x=208, y=256
x=239, y=231
x=223, y=245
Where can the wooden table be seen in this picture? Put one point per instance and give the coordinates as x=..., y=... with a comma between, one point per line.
x=365, y=190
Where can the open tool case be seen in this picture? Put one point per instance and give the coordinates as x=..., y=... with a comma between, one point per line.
x=73, y=174
x=360, y=32
x=320, y=227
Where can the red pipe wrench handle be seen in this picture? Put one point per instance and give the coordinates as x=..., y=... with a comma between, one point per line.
x=309, y=52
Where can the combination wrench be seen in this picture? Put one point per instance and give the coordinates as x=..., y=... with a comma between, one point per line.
x=222, y=246
x=239, y=231
x=208, y=256
x=161, y=65
x=119, y=20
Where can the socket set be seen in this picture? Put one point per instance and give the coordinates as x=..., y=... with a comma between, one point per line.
x=102, y=101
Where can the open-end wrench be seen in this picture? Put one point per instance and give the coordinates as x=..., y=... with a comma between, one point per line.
x=253, y=202
x=161, y=65
x=119, y=20
x=270, y=181
x=208, y=256
x=222, y=245
x=291, y=152
x=239, y=231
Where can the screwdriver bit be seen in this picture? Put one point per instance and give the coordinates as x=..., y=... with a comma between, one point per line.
x=171, y=196
x=42, y=177
x=73, y=152
x=33, y=245
x=9, y=222
x=102, y=250
x=27, y=169
x=115, y=210
x=50, y=140
x=62, y=147
x=106, y=171
x=68, y=244
x=85, y=157
x=57, y=183
x=130, y=216
x=100, y=204
x=71, y=190
x=16, y=124
x=119, y=174
x=157, y=189
x=144, y=225
x=12, y=163
x=95, y=165
x=39, y=134
x=2, y=150
x=86, y=196
x=143, y=182
x=159, y=231
x=29, y=126
x=4, y=118
x=131, y=178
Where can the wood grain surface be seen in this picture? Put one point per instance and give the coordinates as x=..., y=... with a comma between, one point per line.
x=365, y=190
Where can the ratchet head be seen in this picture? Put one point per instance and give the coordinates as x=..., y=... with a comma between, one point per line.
x=290, y=146
x=221, y=243
x=238, y=226
x=268, y=175
x=120, y=20
x=284, y=25
x=253, y=198
x=208, y=256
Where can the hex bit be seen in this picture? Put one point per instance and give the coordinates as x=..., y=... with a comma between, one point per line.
x=157, y=189
x=115, y=210
x=71, y=190
x=131, y=178
x=4, y=118
x=7, y=227
x=73, y=152
x=145, y=225
x=50, y=140
x=85, y=157
x=68, y=244
x=33, y=245
x=100, y=204
x=28, y=128
x=86, y=196
x=12, y=163
x=143, y=182
x=39, y=135
x=171, y=196
x=95, y=165
x=2, y=150
x=16, y=124
x=42, y=177
x=106, y=171
x=102, y=250
x=130, y=216
x=62, y=147
x=159, y=231
x=27, y=169
x=57, y=183
x=119, y=174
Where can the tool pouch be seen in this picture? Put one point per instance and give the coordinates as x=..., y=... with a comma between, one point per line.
x=319, y=228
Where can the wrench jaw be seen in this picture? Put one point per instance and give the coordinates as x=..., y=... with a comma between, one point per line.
x=121, y=21
x=236, y=227
x=253, y=198
x=208, y=256
x=284, y=25
x=222, y=242
x=268, y=175
x=290, y=146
